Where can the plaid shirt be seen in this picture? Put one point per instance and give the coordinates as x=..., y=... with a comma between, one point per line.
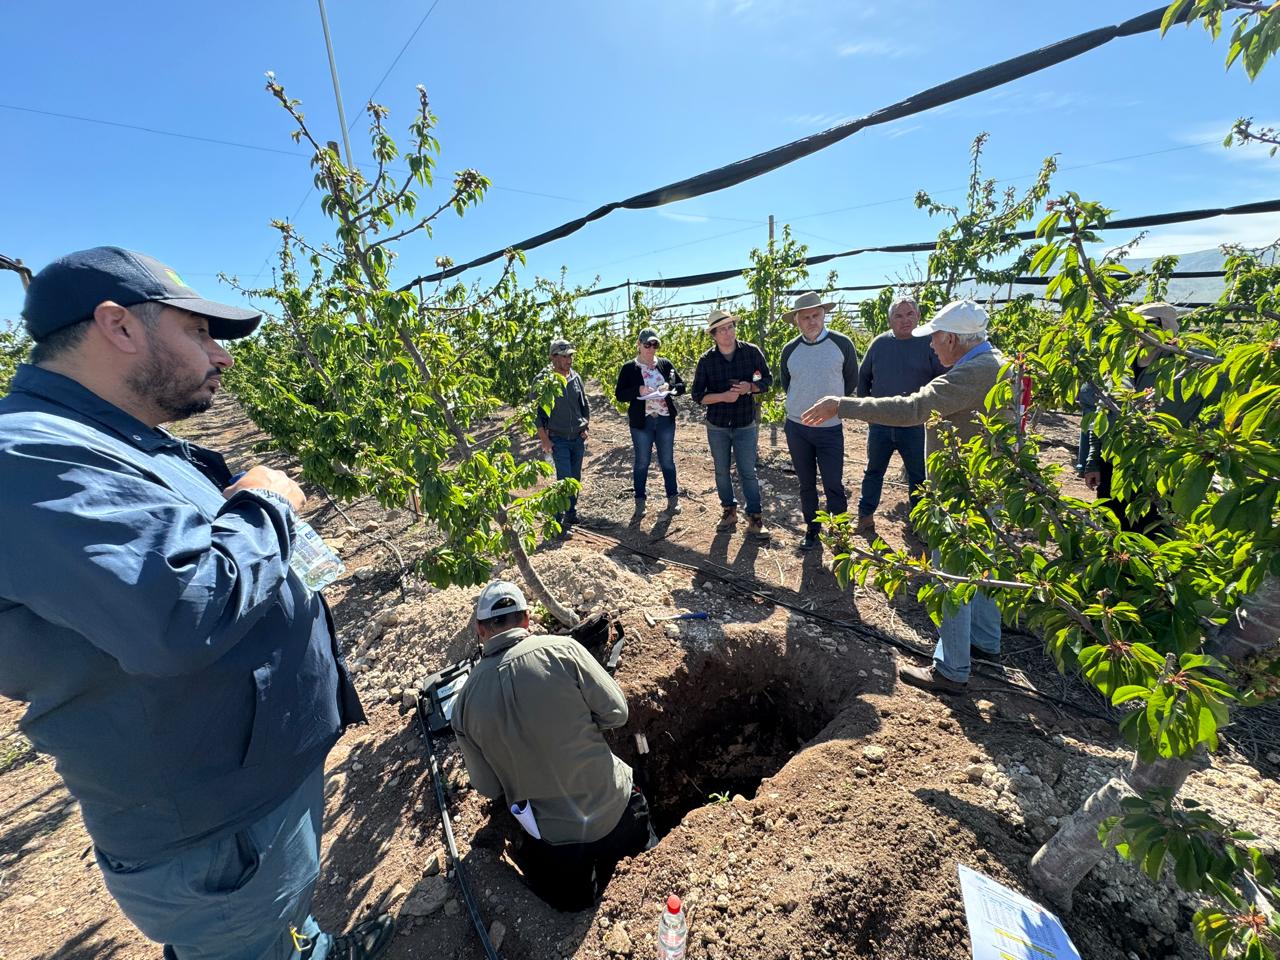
x=716, y=373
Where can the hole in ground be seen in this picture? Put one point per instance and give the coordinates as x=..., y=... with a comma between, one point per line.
x=721, y=729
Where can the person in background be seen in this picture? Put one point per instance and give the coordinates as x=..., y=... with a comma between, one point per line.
x=1099, y=471
x=958, y=334
x=818, y=362
x=563, y=429
x=897, y=364
x=725, y=383
x=187, y=683
x=649, y=385
x=530, y=721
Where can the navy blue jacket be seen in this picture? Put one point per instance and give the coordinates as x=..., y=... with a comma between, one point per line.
x=184, y=680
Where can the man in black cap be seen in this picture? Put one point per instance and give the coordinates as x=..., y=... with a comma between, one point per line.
x=563, y=428
x=187, y=683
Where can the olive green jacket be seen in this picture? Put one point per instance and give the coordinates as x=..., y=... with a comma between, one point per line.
x=530, y=722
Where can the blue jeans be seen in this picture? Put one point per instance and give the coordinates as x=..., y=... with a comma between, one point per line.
x=659, y=432
x=566, y=454
x=977, y=623
x=815, y=449
x=235, y=898
x=740, y=442
x=882, y=441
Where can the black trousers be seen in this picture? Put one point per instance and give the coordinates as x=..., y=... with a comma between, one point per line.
x=1148, y=523
x=572, y=876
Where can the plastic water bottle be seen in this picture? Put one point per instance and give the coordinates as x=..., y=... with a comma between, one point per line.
x=313, y=560
x=672, y=931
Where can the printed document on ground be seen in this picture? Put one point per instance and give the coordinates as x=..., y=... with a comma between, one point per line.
x=1005, y=925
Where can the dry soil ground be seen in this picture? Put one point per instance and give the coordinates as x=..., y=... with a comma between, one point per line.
x=810, y=805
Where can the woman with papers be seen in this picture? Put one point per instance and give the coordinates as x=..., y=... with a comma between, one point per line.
x=649, y=383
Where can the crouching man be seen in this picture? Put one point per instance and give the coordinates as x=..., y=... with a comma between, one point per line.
x=531, y=722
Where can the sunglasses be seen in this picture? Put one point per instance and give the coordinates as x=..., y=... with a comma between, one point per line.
x=651, y=345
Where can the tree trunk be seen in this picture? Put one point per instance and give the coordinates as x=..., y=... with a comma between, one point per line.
x=1255, y=626
x=539, y=589
x=1074, y=850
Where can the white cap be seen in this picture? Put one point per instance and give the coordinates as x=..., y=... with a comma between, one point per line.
x=959, y=316
x=499, y=598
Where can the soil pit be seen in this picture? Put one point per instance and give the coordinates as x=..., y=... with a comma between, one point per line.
x=720, y=728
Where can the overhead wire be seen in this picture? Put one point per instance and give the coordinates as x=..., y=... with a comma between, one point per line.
x=728, y=175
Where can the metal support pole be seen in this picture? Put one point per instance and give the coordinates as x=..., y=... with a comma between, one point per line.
x=337, y=90
x=764, y=333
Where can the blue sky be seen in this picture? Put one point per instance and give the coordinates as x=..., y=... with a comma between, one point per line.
x=567, y=105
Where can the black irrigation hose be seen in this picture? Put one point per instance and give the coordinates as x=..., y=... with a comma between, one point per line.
x=868, y=634
x=437, y=782
x=731, y=174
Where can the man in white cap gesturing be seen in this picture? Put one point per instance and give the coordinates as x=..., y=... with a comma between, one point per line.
x=958, y=333
x=816, y=363
x=530, y=721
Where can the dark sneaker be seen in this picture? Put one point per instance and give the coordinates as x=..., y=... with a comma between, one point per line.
x=728, y=519
x=673, y=505
x=756, y=527
x=812, y=540
x=366, y=940
x=866, y=527
x=928, y=678
x=640, y=507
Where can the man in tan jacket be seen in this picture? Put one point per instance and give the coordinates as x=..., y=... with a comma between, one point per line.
x=958, y=334
x=530, y=721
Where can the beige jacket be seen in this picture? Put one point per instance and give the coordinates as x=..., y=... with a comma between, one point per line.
x=530, y=721
x=957, y=396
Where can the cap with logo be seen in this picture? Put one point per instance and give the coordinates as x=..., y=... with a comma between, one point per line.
x=498, y=598
x=963, y=317
x=70, y=288
x=562, y=348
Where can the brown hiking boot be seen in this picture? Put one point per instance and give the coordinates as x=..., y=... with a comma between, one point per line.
x=728, y=519
x=928, y=678
x=866, y=527
x=756, y=527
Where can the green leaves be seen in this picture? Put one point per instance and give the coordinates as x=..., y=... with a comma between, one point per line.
x=1205, y=857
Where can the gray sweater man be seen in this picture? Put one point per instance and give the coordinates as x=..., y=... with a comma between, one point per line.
x=816, y=363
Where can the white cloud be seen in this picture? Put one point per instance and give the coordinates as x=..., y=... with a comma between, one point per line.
x=1256, y=230
x=682, y=217
x=894, y=132
x=877, y=48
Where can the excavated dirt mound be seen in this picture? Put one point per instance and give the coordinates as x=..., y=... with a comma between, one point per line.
x=809, y=806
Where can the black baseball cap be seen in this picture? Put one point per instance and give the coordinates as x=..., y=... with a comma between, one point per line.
x=70, y=289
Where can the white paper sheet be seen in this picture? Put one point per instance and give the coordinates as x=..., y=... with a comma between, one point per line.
x=523, y=812
x=1005, y=925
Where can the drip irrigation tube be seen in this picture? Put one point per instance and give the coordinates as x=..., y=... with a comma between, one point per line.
x=454, y=860
x=753, y=586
